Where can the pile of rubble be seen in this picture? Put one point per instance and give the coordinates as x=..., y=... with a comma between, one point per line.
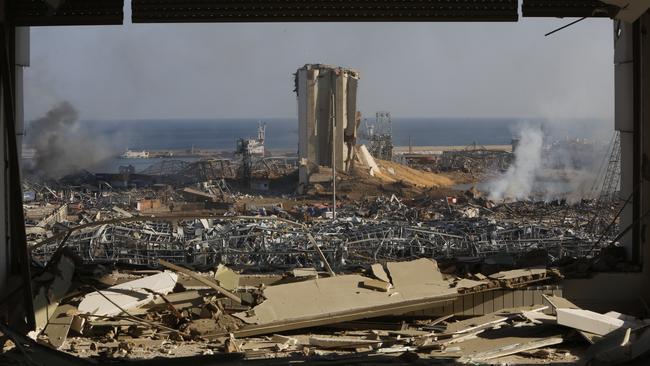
x=395, y=309
x=364, y=232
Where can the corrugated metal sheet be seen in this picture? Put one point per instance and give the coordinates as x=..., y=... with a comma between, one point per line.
x=566, y=8
x=490, y=301
x=66, y=12
x=162, y=11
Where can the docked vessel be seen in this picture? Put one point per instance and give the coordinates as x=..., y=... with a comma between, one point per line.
x=130, y=154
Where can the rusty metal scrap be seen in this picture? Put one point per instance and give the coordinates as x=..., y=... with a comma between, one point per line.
x=391, y=232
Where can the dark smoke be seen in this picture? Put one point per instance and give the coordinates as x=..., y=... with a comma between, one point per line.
x=61, y=145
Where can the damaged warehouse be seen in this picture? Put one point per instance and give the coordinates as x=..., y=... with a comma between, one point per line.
x=331, y=254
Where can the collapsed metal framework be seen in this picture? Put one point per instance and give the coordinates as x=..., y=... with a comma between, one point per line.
x=380, y=136
x=179, y=171
x=475, y=158
x=271, y=242
x=607, y=185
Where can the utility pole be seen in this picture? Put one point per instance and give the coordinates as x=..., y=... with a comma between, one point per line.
x=333, y=107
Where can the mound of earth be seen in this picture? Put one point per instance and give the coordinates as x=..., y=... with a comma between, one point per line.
x=391, y=172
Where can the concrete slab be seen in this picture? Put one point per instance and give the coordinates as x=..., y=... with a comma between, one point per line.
x=415, y=272
x=588, y=321
x=128, y=295
x=59, y=324
x=379, y=272
x=227, y=278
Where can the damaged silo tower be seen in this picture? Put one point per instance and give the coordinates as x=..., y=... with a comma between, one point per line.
x=327, y=117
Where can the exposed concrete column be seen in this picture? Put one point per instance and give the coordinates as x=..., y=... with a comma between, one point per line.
x=22, y=61
x=642, y=141
x=5, y=248
x=632, y=75
x=15, y=280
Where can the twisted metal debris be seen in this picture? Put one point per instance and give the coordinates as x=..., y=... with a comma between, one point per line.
x=390, y=231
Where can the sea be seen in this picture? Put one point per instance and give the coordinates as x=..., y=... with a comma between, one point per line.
x=282, y=133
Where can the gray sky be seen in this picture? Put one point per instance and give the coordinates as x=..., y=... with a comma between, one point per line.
x=245, y=70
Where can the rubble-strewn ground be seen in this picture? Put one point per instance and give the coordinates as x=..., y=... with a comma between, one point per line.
x=409, y=269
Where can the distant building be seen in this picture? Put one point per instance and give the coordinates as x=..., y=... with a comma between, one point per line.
x=130, y=154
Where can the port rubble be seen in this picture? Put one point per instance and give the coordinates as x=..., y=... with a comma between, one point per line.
x=274, y=234
x=428, y=276
x=282, y=315
x=333, y=254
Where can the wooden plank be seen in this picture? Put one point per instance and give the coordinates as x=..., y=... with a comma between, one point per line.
x=487, y=320
x=473, y=324
x=513, y=349
x=438, y=321
x=201, y=279
x=340, y=342
x=367, y=324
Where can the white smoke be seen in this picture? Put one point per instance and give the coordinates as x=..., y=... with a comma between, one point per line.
x=548, y=168
x=518, y=181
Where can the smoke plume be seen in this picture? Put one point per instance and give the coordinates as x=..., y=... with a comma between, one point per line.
x=60, y=146
x=517, y=182
x=547, y=168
